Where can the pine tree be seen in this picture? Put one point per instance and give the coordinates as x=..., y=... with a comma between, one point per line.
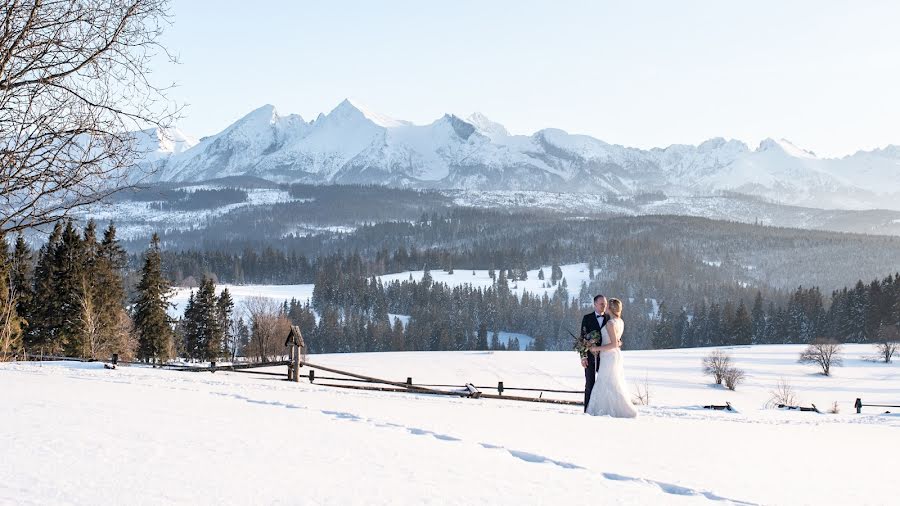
x=742, y=326
x=115, y=323
x=758, y=320
x=555, y=274
x=21, y=278
x=495, y=341
x=189, y=329
x=151, y=321
x=481, y=342
x=241, y=338
x=224, y=310
x=203, y=329
x=43, y=313
x=68, y=288
x=681, y=329
x=663, y=335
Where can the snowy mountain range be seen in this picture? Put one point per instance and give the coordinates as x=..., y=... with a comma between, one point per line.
x=352, y=144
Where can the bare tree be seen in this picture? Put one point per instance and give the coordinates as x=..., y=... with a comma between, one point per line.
x=888, y=342
x=823, y=352
x=89, y=319
x=733, y=377
x=74, y=91
x=10, y=326
x=103, y=336
x=715, y=364
x=783, y=394
x=268, y=328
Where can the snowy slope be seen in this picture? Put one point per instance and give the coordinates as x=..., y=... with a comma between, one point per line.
x=79, y=434
x=353, y=144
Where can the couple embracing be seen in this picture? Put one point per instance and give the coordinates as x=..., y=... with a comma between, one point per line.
x=605, y=392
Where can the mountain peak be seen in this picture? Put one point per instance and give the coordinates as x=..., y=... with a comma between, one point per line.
x=491, y=129
x=785, y=146
x=265, y=112
x=350, y=107
x=720, y=143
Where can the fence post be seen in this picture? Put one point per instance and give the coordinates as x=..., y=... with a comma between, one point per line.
x=296, y=365
x=291, y=365
x=858, y=405
x=499, y=388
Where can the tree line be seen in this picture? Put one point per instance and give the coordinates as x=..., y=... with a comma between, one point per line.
x=71, y=299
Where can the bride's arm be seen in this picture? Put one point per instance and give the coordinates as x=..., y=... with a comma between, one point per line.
x=613, y=338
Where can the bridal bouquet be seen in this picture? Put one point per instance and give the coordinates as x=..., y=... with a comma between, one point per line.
x=583, y=345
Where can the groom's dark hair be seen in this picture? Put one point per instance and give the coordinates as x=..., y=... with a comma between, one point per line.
x=598, y=296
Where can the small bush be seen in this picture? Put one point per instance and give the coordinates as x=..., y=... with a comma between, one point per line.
x=733, y=377
x=715, y=364
x=782, y=394
x=642, y=397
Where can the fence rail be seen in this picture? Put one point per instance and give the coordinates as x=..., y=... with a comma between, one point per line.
x=463, y=390
x=859, y=405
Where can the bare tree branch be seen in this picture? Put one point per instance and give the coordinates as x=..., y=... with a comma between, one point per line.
x=74, y=94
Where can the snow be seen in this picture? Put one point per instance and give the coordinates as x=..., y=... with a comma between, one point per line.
x=240, y=294
x=377, y=118
x=504, y=337
x=404, y=318
x=574, y=274
x=136, y=219
x=80, y=434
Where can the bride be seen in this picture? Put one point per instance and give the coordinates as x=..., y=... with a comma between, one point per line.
x=609, y=395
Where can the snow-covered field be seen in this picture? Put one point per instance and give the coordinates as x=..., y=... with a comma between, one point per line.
x=80, y=434
x=135, y=219
x=574, y=274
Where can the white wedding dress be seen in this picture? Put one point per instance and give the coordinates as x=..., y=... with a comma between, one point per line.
x=610, y=395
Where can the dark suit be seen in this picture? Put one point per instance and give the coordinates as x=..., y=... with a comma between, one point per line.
x=589, y=324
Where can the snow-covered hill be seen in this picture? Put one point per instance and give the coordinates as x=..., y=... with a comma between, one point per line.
x=352, y=144
x=81, y=434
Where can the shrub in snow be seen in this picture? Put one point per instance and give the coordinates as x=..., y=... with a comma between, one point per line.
x=733, y=377
x=783, y=394
x=888, y=342
x=715, y=364
x=642, y=396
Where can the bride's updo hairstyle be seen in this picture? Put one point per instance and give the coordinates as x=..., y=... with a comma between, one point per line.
x=615, y=307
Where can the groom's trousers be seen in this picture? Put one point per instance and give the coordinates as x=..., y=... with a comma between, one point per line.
x=590, y=373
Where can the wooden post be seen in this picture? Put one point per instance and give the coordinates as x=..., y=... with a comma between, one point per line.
x=296, y=352
x=291, y=365
x=499, y=388
x=858, y=405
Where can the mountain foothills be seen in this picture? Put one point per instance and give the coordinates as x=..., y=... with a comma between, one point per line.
x=353, y=145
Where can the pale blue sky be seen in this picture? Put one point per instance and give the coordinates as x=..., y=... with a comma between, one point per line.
x=825, y=75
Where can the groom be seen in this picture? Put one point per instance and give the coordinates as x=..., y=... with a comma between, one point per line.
x=595, y=320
